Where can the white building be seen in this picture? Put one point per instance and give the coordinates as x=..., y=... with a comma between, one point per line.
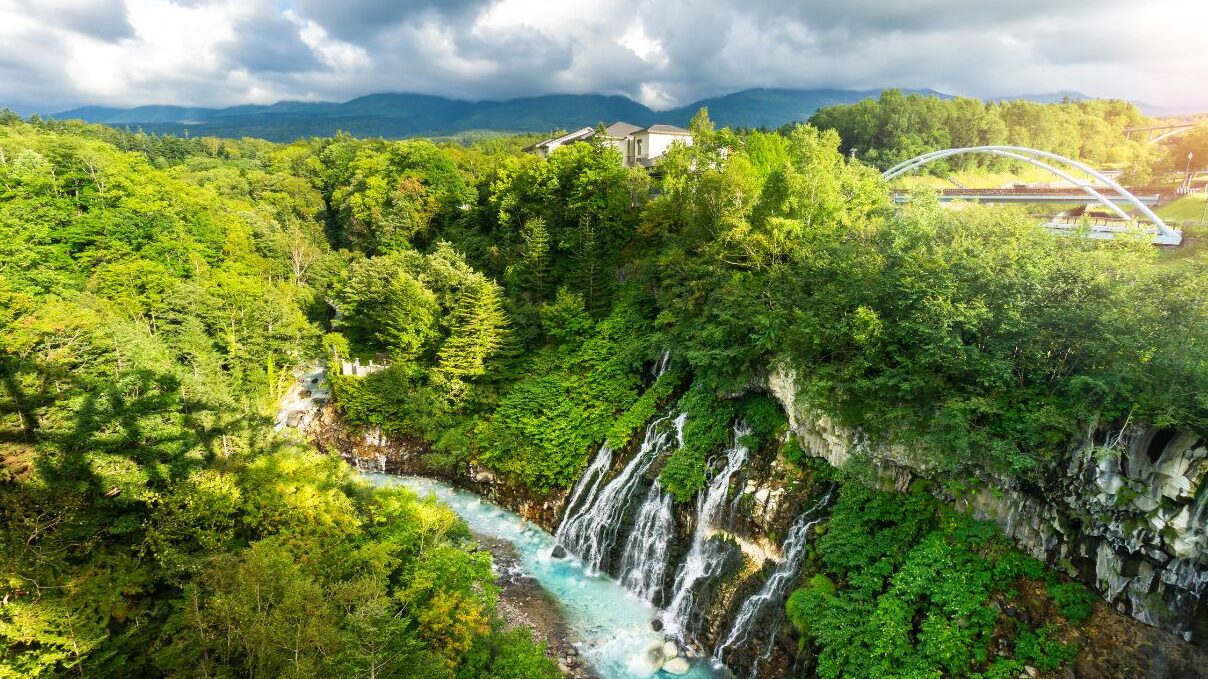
x=544, y=148
x=637, y=145
x=650, y=143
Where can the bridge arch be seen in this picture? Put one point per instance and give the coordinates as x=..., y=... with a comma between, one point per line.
x=1171, y=133
x=1157, y=133
x=1033, y=156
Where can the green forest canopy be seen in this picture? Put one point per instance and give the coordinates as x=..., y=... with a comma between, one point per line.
x=896, y=127
x=156, y=294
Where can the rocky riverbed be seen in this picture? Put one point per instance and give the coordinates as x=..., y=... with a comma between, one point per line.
x=524, y=603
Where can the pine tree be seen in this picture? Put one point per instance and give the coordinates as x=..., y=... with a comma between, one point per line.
x=477, y=331
x=536, y=256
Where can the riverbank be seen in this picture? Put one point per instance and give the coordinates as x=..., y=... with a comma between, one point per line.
x=609, y=627
x=524, y=603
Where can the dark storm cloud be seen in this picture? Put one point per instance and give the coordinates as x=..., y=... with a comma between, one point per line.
x=359, y=21
x=879, y=16
x=41, y=85
x=665, y=52
x=963, y=46
x=266, y=41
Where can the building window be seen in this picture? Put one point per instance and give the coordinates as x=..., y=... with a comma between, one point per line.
x=639, y=147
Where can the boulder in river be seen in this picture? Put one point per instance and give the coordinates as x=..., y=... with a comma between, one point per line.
x=648, y=661
x=670, y=650
x=677, y=666
x=559, y=552
x=656, y=625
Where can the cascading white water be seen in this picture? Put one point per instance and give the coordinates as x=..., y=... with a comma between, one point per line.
x=697, y=565
x=593, y=514
x=661, y=365
x=645, y=561
x=773, y=590
x=589, y=483
x=609, y=628
x=590, y=530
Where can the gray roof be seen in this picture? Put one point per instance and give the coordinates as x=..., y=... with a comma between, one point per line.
x=569, y=136
x=621, y=129
x=665, y=129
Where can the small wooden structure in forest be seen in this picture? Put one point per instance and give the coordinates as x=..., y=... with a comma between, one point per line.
x=355, y=369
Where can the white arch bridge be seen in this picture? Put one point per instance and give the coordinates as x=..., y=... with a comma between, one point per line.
x=1064, y=168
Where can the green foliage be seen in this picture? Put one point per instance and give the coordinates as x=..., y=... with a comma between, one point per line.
x=1040, y=649
x=1074, y=599
x=643, y=411
x=973, y=337
x=399, y=400
x=439, y=322
x=386, y=306
x=388, y=194
x=896, y=127
x=547, y=424
x=156, y=295
x=565, y=320
x=562, y=221
x=907, y=588
x=1193, y=142
x=477, y=329
x=764, y=415
x=706, y=431
x=156, y=292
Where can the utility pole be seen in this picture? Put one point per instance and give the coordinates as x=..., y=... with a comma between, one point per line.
x=1186, y=188
x=1204, y=213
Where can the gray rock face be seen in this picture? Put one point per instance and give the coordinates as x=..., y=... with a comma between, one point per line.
x=1126, y=512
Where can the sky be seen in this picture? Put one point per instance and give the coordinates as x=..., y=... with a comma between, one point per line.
x=57, y=54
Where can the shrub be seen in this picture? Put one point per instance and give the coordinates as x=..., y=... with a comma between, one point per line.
x=1042, y=649
x=1075, y=600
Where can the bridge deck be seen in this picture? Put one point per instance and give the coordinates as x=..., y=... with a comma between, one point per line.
x=1107, y=229
x=1067, y=197
x=1145, y=128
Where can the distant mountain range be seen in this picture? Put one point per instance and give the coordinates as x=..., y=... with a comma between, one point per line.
x=410, y=115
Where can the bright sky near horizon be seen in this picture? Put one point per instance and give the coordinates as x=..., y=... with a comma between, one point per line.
x=55, y=54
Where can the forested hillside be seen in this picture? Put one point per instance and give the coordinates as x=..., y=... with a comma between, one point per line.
x=974, y=335
x=897, y=126
x=395, y=116
x=156, y=295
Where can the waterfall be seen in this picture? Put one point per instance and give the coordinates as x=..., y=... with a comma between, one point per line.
x=645, y=561
x=773, y=590
x=660, y=366
x=590, y=528
x=589, y=483
x=697, y=565
x=302, y=402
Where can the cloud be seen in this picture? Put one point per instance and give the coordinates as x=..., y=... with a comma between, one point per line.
x=99, y=19
x=360, y=21
x=268, y=42
x=662, y=52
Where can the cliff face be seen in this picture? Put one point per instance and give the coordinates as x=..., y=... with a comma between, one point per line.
x=307, y=408
x=1126, y=513
x=1124, y=521
x=372, y=451
x=765, y=499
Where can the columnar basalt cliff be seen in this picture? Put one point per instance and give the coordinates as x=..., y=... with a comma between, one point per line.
x=1126, y=512
x=1122, y=514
